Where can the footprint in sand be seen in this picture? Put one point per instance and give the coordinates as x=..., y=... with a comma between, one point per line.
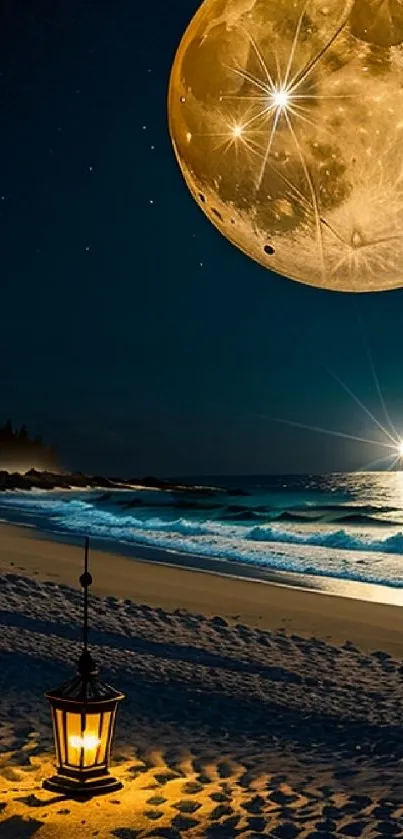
x=255, y=804
x=163, y=778
x=282, y=797
x=18, y=828
x=389, y=828
x=258, y=823
x=328, y=828
x=31, y=800
x=289, y=831
x=220, y=797
x=225, y=770
x=153, y=814
x=137, y=769
x=354, y=829
x=220, y=811
x=203, y=779
x=192, y=788
x=187, y=806
x=182, y=823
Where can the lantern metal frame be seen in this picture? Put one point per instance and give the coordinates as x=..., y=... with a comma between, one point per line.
x=83, y=768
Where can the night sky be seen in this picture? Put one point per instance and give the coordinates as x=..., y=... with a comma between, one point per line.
x=134, y=336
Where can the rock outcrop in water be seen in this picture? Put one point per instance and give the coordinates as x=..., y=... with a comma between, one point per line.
x=28, y=463
x=38, y=479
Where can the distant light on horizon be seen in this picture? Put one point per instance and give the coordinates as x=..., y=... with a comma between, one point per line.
x=400, y=448
x=13, y=468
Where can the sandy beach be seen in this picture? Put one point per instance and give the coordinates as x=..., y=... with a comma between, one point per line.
x=263, y=604
x=253, y=709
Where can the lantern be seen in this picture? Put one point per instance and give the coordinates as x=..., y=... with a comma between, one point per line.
x=83, y=714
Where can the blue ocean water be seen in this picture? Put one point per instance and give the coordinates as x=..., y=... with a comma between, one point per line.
x=346, y=526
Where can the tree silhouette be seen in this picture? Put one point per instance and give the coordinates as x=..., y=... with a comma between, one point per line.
x=23, y=433
x=7, y=430
x=20, y=452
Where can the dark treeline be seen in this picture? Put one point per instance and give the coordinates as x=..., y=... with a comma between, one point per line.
x=18, y=450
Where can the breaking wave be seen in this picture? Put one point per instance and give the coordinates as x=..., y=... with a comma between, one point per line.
x=355, y=553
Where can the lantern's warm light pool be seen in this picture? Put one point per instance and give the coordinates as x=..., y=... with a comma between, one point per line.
x=88, y=741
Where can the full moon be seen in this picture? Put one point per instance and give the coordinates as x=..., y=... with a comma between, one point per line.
x=286, y=119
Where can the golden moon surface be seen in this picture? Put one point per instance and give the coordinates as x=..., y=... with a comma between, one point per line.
x=286, y=118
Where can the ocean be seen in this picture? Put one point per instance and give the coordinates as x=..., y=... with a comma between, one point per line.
x=342, y=526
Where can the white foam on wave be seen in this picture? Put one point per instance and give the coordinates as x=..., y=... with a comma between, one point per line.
x=324, y=552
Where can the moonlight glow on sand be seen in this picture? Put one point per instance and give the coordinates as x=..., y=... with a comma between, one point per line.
x=287, y=122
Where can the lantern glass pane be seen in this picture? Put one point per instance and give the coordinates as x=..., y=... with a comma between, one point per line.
x=83, y=739
x=60, y=739
x=105, y=726
x=93, y=739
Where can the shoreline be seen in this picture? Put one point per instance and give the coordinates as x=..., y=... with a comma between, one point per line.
x=364, y=567
x=219, y=566
x=278, y=605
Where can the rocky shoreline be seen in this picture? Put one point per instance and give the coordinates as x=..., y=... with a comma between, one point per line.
x=35, y=479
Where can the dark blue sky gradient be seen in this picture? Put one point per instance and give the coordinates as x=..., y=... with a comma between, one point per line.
x=116, y=343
